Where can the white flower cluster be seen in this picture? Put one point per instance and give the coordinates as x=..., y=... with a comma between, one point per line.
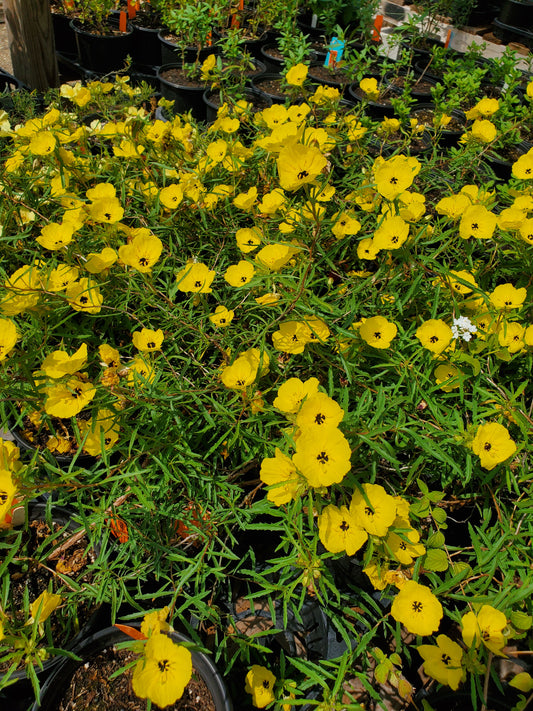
x=463, y=328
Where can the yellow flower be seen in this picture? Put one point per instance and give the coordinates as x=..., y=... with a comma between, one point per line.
x=207, y=66
x=506, y=296
x=245, y=201
x=456, y=281
x=404, y=546
x=222, y=316
x=417, y=608
x=100, y=261
x=435, y=335
x=68, y=399
x=369, y=86
x=338, y=530
x=447, y=376
x=297, y=75
x=345, y=224
x=60, y=277
x=260, y=684
x=155, y=622
x=444, y=661
x=163, y=672
x=106, y=210
x=511, y=336
x=487, y=627
x=273, y=200
x=293, y=392
x=43, y=143
x=240, y=374
x=395, y=175
x=391, y=233
x=319, y=411
x=374, y=509
x=478, y=222
x=109, y=355
x=55, y=235
x=7, y=493
x=8, y=337
x=523, y=166
x=171, y=196
x=276, y=256
x=43, y=606
x=299, y=164
x=493, y=444
x=291, y=337
x=59, y=363
x=322, y=456
x=239, y=274
x=378, y=332
x=104, y=431
x=9, y=456
x=248, y=239
x=140, y=371
x=526, y=231
x=280, y=475
x=142, y=252
x=196, y=277
x=484, y=107
x=147, y=340
x=84, y=295
x=484, y=131
x=367, y=249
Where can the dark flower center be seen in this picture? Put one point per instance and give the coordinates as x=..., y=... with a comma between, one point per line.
x=446, y=659
x=197, y=284
x=302, y=174
x=143, y=262
x=322, y=457
x=344, y=526
x=266, y=684
x=320, y=418
x=433, y=339
x=487, y=446
x=163, y=665
x=417, y=606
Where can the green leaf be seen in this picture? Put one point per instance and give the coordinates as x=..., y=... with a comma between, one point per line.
x=520, y=620
x=439, y=515
x=435, y=496
x=436, y=540
x=436, y=560
x=420, y=509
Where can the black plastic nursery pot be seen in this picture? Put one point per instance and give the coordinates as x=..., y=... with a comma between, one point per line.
x=517, y=13
x=103, y=53
x=186, y=97
x=63, y=460
x=171, y=52
x=87, y=649
x=19, y=695
x=64, y=35
x=267, y=84
x=211, y=99
x=146, y=46
x=446, y=137
x=446, y=700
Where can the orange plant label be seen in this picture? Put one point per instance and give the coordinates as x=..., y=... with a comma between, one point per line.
x=132, y=9
x=123, y=21
x=378, y=24
x=118, y=528
x=130, y=631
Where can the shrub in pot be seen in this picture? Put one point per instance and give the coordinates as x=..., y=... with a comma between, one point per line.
x=167, y=672
x=45, y=603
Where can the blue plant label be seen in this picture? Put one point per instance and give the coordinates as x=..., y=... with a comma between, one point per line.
x=334, y=55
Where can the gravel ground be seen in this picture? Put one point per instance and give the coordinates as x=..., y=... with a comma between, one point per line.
x=5, y=56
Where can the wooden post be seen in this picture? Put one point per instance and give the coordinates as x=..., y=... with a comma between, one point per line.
x=31, y=42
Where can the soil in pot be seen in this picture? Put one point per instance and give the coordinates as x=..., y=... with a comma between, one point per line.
x=185, y=91
x=271, y=85
x=61, y=439
x=68, y=557
x=330, y=76
x=91, y=688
